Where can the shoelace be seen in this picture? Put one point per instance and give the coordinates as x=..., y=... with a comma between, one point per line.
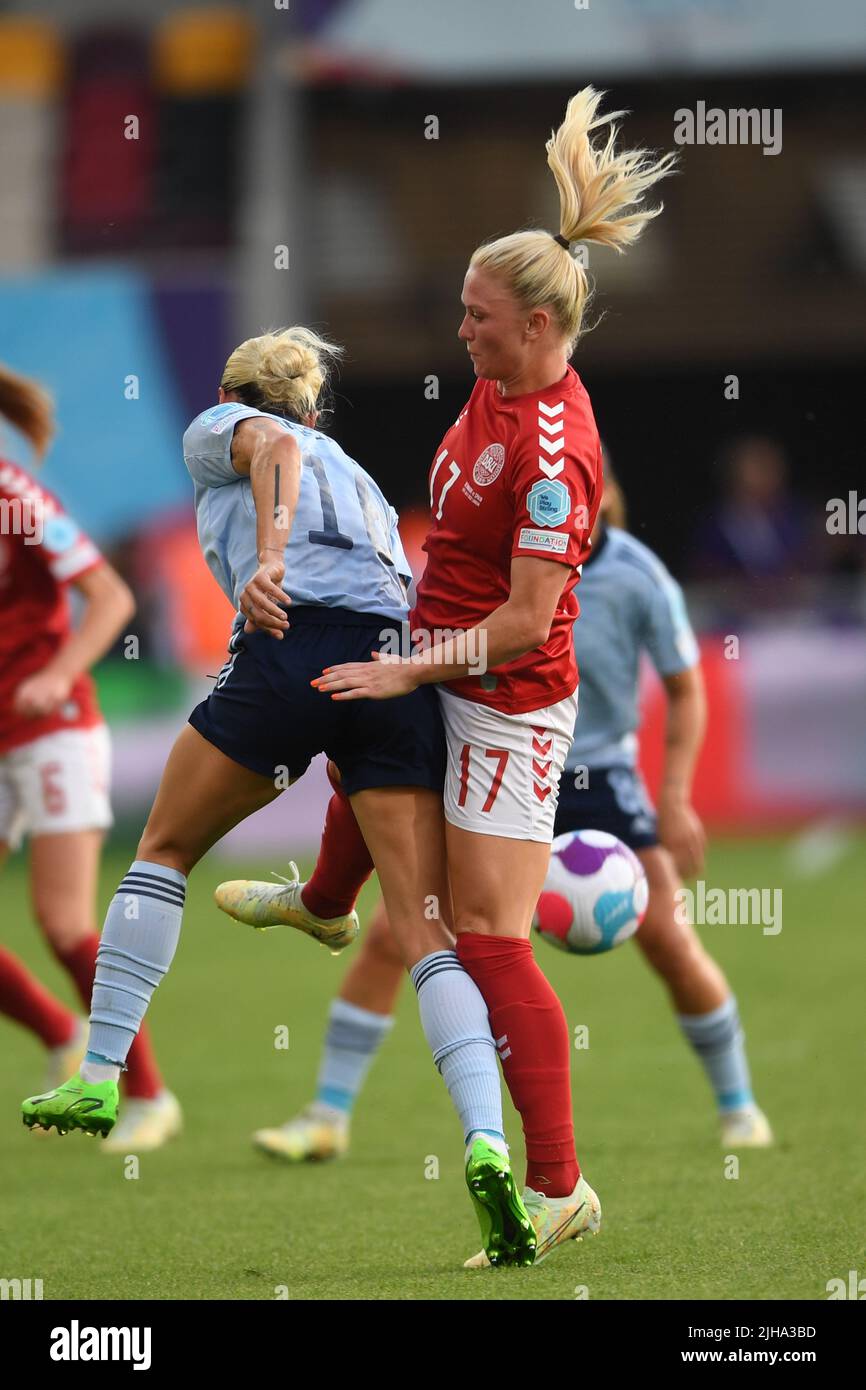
x=282, y=878
x=308, y=1116
x=534, y=1201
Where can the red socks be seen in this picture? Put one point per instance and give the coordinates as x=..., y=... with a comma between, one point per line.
x=525, y=1014
x=142, y=1080
x=534, y=1047
x=25, y=1000
x=344, y=862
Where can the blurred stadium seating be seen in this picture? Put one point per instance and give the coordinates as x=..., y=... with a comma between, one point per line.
x=129, y=150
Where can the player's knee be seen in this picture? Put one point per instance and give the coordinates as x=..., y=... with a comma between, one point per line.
x=672, y=950
x=161, y=847
x=474, y=920
x=379, y=939
x=63, y=929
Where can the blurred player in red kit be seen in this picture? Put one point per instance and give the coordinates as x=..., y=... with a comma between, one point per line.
x=55, y=755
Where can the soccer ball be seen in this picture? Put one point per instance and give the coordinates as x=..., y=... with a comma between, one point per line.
x=595, y=894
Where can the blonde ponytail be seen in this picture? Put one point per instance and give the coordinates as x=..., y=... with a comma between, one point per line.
x=599, y=190
x=28, y=407
x=596, y=183
x=285, y=372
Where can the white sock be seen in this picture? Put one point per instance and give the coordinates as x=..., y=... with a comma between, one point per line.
x=455, y=1023
x=93, y=1072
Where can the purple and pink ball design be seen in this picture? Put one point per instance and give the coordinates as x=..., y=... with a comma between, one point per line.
x=595, y=894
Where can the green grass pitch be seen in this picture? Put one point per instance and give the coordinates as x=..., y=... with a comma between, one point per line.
x=209, y=1218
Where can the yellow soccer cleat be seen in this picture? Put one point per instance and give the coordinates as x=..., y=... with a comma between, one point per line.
x=263, y=905
x=555, y=1220
x=748, y=1128
x=312, y=1136
x=144, y=1125
x=65, y=1060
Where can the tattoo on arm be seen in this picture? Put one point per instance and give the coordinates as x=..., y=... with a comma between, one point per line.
x=242, y=444
x=276, y=494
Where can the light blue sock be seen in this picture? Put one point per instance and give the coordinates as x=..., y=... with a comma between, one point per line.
x=719, y=1041
x=137, y=947
x=455, y=1023
x=353, y=1038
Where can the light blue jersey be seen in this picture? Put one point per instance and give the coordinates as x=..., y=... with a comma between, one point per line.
x=344, y=548
x=628, y=602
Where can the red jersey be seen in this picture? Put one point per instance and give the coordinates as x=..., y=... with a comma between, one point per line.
x=41, y=550
x=515, y=475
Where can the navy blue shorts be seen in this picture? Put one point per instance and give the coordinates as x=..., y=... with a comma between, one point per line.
x=264, y=714
x=615, y=800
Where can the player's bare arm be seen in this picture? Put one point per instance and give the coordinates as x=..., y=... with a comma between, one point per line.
x=109, y=605
x=270, y=457
x=516, y=627
x=680, y=828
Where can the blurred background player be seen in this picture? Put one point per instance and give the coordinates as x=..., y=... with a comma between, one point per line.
x=630, y=604
x=24, y=1000
x=760, y=531
x=55, y=755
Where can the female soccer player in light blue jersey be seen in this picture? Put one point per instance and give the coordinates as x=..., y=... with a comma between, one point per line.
x=293, y=529
x=630, y=604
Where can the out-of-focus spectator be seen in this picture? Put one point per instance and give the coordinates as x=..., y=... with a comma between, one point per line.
x=760, y=530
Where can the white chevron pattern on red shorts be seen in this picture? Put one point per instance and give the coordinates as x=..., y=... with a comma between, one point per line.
x=542, y=745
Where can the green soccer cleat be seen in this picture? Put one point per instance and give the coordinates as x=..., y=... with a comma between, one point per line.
x=263, y=905
x=77, y=1104
x=507, y=1233
x=555, y=1221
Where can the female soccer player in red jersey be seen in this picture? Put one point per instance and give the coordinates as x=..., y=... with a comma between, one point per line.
x=55, y=754
x=514, y=489
x=630, y=605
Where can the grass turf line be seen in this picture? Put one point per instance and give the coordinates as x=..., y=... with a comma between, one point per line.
x=208, y=1218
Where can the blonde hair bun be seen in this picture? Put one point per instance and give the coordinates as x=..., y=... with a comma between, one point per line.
x=284, y=371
